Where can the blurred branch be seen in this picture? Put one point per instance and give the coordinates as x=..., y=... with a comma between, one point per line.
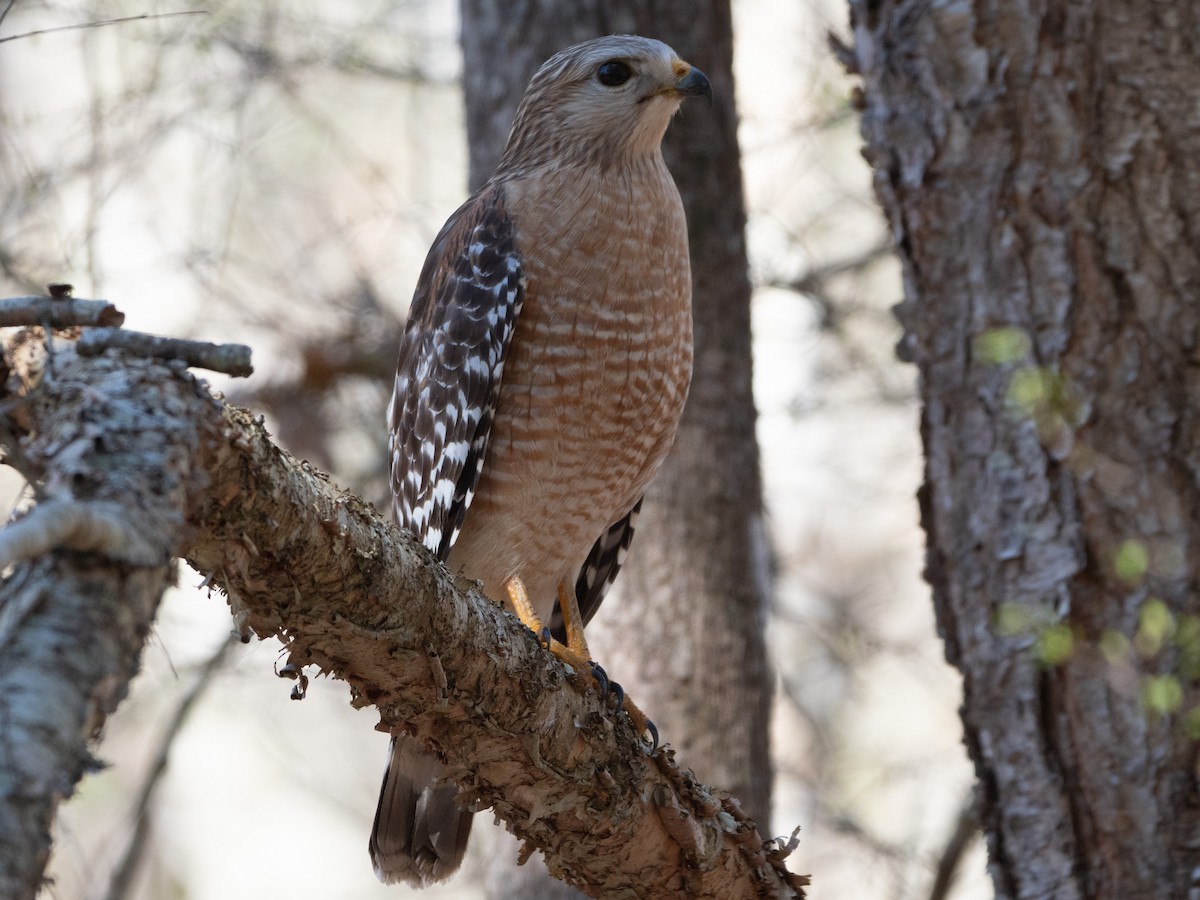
x=100, y=23
x=122, y=879
x=966, y=827
x=231, y=359
x=813, y=282
x=815, y=278
x=12, y=270
x=348, y=593
x=58, y=312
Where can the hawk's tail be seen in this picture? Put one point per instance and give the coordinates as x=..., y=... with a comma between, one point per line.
x=420, y=831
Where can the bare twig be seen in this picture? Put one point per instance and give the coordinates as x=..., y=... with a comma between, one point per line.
x=100, y=23
x=812, y=280
x=122, y=879
x=58, y=312
x=966, y=827
x=232, y=359
x=842, y=52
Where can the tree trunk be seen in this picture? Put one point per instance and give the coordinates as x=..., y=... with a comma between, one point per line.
x=683, y=631
x=1037, y=163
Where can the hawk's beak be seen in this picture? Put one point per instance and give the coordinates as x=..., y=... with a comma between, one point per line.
x=694, y=84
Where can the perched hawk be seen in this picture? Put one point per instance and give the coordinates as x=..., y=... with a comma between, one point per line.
x=542, y=374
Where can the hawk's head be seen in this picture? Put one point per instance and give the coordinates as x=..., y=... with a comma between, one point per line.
x=604, y=101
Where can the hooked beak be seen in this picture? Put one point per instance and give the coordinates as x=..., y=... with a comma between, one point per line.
x=694, y=84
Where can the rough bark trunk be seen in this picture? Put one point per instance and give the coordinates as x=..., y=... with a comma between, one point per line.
x=1037, y=164
x=71, y=630
x=684, y=629
x=139, y=464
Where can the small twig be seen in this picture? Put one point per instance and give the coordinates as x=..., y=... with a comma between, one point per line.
x=232, y=359
x=58, y=312
x=814, y=278
x=99, y=23
x=766, y=852
x=965, y=829
x=7, y=7
x=122, y=878
x=842, y=52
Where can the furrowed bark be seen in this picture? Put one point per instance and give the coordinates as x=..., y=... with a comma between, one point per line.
x=1036, y=162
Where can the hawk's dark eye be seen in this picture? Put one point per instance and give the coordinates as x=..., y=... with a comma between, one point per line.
x=613, y=73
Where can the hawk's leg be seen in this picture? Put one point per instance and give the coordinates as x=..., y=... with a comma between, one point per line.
x=519, y=600
x=575, y=652
x=568, y=605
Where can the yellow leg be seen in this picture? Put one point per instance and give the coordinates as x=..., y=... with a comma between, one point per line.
x=519, y=600
x=575, y=652
x=568, y=605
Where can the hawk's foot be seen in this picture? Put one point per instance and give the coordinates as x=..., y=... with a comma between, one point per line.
x=575, y=651
x=568, y=605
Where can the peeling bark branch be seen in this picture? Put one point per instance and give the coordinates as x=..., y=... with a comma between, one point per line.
x=90, y=527
x=58, y=312
x=74, y=620
x=232, y=359
x=352, y=595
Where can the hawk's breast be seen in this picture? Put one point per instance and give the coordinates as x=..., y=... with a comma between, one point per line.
x=596, y=375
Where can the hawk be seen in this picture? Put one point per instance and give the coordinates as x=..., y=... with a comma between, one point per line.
x=543, y=371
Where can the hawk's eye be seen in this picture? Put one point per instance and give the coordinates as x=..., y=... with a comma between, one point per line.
x=613, y=73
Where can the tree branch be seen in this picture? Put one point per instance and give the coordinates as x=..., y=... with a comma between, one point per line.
x=121, y=884
x=232, y=359
x=74, y=619
x=352, y=595
x=99, y=23
x=58, y=312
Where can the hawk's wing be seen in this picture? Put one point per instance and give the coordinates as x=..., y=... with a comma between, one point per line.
x=600, y=569
x=452, y=356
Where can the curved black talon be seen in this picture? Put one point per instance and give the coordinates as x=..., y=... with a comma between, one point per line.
x=615, y=690
x=545, y=638
x=653, y=735
x=608, y=687
x=601, y=677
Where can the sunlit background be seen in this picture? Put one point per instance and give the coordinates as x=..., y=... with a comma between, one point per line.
x=272, y=173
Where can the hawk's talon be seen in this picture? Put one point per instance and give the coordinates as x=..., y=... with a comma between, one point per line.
x=601, y=677
x=617, y=691
x=650, y=727
x=575, y=651
x=608, y=687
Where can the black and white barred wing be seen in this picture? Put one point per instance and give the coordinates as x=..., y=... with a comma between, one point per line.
x=451, y=364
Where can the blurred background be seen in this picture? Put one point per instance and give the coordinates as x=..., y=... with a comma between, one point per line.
x=273, y=173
